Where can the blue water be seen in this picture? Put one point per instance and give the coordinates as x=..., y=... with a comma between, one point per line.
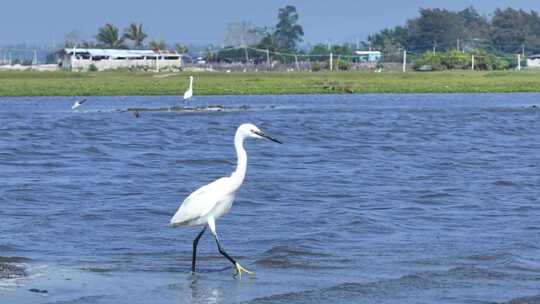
x=371, y=199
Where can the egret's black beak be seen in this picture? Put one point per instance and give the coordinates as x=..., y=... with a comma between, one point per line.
x=261, y=134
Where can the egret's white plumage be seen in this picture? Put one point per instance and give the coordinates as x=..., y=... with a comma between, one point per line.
x=189, y=93
x=78, y=103
x=212, y=201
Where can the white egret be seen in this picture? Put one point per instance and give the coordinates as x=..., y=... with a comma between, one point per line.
x=210, y=202
x=189, y=93
x=78, y=103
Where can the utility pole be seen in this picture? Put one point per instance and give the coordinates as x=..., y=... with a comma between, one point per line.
x=457, y=44
x=296, y=62
x=331, y=61
x=519, y=62
x=523, y=50
x=472, y=62
x=245, y=47
x=404, y=61
x=434, y=47
x=246, y=53
x=268, y=59
x=34, y=61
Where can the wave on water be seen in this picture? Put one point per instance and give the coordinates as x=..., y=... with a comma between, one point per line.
x=399, y=290
x=294, y=257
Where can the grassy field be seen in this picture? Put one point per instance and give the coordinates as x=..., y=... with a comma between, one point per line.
x=145, y=83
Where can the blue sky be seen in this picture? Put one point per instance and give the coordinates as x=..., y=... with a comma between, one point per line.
x=202, y=22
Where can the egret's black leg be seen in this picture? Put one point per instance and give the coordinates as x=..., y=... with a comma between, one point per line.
x=222, y=251
x=239, y=268
x=195, y=243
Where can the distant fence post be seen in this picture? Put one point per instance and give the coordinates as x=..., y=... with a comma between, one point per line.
x=519, y=62
x=331, y=62
x=472, y=62
x=268, y=66
x=404, y=61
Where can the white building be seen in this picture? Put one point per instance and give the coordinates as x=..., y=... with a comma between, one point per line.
x=78, y=59
x=369, y=56
x=533, y=61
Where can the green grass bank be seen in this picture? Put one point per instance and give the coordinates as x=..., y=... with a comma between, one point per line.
x=29, y=83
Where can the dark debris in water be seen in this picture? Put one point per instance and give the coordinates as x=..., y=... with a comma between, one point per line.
x=36, y=290
x=11, y=271
x=210, y=108
x=96, y=269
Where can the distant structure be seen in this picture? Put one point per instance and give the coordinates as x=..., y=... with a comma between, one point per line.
x=533, y=61
x=80, y=59
x=369, y=56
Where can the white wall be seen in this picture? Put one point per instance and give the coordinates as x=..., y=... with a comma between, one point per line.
x=533, y=63
x=71, y=62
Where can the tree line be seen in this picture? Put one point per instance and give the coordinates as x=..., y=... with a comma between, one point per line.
x=508, y=31
x=110, y=37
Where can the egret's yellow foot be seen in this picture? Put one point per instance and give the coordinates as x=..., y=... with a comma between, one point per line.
x=240, y=269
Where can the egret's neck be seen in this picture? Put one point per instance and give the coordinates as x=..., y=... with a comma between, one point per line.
x=240, y=173
x=191, y=83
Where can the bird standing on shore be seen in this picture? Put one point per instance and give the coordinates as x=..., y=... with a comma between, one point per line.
x=210, y=202
x=78, y=103
x=189, y=93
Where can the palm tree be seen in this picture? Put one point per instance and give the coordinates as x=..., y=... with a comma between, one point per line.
x=108, y=37
x=157, y=45
x=135, y=33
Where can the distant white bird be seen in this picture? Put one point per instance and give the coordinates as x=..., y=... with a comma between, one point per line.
x=189, y=93
x=208, y=203
x=78, y=103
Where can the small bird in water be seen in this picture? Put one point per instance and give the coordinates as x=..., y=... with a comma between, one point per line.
x=78, y=103
x=210, y=202
x=136, y=114
x=189, y=93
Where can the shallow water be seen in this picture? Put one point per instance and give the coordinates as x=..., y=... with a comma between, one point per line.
x=372, y=199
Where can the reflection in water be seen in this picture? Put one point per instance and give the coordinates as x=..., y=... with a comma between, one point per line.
x=201, y=292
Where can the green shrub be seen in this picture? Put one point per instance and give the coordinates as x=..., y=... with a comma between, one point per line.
x=343, y=65
x=455, y=59
x=485, y=61
x=92, y=68
x=429, y=59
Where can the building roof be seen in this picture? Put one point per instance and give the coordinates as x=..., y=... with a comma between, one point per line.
x=117, y=52
x=536, y=56
x=368, y=53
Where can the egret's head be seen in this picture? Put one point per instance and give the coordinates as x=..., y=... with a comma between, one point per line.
x=251, y=130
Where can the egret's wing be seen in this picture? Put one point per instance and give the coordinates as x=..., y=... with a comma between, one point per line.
x=200, y=202
x=188, y=94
